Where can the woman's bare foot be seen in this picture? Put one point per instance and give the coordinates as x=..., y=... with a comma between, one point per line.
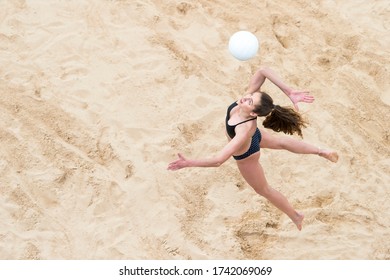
x=298, y=220
x=329, y=155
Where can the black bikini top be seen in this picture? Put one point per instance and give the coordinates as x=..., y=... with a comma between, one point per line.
x=230, y=129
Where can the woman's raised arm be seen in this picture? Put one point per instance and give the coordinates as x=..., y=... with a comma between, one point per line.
x=266, y=73
x=263, y=73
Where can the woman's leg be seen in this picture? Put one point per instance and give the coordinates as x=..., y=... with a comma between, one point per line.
x=269, y=141
x=253, y=173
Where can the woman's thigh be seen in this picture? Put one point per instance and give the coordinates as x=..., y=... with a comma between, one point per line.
x=268, y=141
x=253, y=173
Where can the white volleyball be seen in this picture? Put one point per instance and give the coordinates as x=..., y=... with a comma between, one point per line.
x=243, y=45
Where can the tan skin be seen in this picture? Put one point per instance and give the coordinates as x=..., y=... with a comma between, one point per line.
x=250, y=167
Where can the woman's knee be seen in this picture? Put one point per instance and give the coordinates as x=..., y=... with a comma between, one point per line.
x=263, y=190
x=281, y=143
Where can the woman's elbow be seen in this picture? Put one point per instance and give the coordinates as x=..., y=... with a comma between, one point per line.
x=263, y=68
x=220, y=160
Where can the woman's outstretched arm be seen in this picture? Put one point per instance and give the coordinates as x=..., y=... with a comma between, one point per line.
x=216, y=161
x=266, y=73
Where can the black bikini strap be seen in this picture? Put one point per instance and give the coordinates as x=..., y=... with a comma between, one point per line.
x=246, y=121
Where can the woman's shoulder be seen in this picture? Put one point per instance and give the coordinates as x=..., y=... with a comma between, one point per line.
x=247, y=128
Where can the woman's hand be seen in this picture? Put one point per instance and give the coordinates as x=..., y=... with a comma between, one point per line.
x=180, y=163
x=300, y=96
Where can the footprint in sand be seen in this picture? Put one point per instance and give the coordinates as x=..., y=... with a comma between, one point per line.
x=70, y=73
x=281, y=29
x=252, y=236
x=109, y=158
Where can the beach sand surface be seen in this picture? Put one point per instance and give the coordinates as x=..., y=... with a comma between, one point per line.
x=97, y=97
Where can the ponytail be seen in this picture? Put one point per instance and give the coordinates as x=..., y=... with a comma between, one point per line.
x=279, y=118
x=285, y=119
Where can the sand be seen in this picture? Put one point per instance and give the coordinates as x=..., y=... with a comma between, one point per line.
x=97, y=97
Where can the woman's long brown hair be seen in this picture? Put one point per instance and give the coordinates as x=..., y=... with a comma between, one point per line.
x=279, y=118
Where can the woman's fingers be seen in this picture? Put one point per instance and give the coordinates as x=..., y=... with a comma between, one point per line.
x=180, y=156
x=308, y=99
x=175, y=165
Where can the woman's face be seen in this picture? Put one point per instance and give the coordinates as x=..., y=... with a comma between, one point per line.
x=248, y=101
